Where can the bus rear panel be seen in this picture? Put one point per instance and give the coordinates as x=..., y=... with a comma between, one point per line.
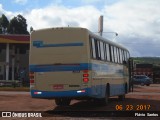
x=59, y=63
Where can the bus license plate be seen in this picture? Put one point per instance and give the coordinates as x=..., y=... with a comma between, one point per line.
x=59, y=86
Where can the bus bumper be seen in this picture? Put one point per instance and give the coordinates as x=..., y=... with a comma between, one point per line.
x=59, y=94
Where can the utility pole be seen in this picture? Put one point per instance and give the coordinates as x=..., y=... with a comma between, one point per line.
x=100, y=25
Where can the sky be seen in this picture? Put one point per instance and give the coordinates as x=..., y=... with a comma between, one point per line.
x=137, y=22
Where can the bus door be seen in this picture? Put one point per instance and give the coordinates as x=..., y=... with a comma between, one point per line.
x=130, y=70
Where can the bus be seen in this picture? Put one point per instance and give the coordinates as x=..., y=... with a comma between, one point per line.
x=69, y=63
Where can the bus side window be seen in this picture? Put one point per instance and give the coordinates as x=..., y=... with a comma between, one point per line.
x=93, y=50
x=128, y=55
x=118, y=61
x=120, y=53
x=112, y=54
x=105, y=52
x=108, y=52
x=115, y=54
x=102, y=50
x=98, y=52
x=125, y=56
x=97, y=49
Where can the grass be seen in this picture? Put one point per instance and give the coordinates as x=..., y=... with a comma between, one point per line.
x=25, y=89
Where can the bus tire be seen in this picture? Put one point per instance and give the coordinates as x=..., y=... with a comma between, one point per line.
x=126, y=88
x=105, y=100
x=122, y=97
x=62, y=101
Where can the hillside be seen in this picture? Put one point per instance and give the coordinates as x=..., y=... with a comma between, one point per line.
x=151, y=60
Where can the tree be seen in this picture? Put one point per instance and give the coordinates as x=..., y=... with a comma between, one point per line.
x=13, y=26
x=3, y=24
x=18, y=25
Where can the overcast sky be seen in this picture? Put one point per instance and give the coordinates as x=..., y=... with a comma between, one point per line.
x=137, y=22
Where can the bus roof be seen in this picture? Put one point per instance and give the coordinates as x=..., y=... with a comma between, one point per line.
x=89, y=32
x=106, y=40
x=59, y=28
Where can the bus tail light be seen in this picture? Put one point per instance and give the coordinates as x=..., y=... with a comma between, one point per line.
x=31, y=81
x=32, y=77
x=85, y=80
x=85, y=76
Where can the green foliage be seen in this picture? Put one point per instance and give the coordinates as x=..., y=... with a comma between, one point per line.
x=3, y=23
x=149, y=60
x=17, y=25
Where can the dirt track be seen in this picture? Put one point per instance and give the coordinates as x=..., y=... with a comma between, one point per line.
x=143, y=98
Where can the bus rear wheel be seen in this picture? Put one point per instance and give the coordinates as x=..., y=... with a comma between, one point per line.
x=105, y=100
x=62, y=101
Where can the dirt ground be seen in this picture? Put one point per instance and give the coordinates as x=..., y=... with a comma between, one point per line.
x=143, y=98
